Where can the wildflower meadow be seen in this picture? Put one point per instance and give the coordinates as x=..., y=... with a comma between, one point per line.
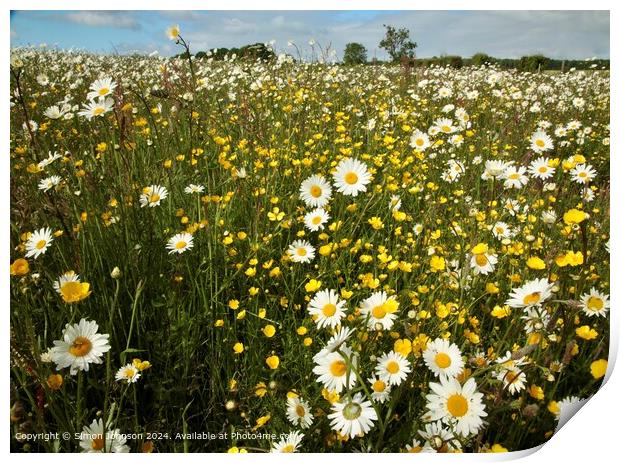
x=302, y=256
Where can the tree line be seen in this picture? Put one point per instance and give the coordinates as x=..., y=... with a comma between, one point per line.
x=401, y=49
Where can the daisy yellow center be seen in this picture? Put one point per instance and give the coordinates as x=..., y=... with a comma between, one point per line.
x=41, y=244
x=510, y=376
x=583, y=174
x=351, y=178
x=352, y=411
x=315, y=191
x=378, y=386
x=540, y=143
x=595, y=303
x=104, y=91
x=180, y=244
x=98, y=111
x=379, y=311
x=130, y=373
x=329, y=310
x=154, y=198
x=532, y=298
x=80, y=347
x=457, y=405
x=499, y=230
x=289, y=448
x=446, y=128
x=97, y=443
x=542, y=169
x=301, y=251
x=443, y=360
x=481, y=260
x=392, y=367
x=300, y=410
x=338, y=368
x=514, y=176
x=316, y=220
x=419, y=141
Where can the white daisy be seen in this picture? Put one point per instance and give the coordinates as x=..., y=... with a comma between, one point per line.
x=96, y=108
x=514, y=177
x=298, y=412
x=153, y=195
x=443, y=358
x=128, y=373
x=419, y=140
x=595, y=303
x=379, y=310
x=80, y=346
x=395, y=203
x=173, y=32
x=315, y=191
x=101, y=88
x=316, y=219
x=501, y=230
x=535, y=319
x=351, y=177
x=483, y=263
x=51, y=157
x=417, y=447
x=333, y=372
x=92, y=439
x=49, y=182
x=532, y=293
x=380, y=389
x=540, y=168
x=38, y=242
x=53, y=112
x=494, y=169
x=456, y=405
x=540, y=142
x=582, y=173
x=513, y=378
x=301, y=251
x=439, y=438
x=352, y=416
x=393, y=368
x=288, y=443
x=444, y=125
x=334, y=342
x=180, y=243
x=192, y=189
x=326, y=309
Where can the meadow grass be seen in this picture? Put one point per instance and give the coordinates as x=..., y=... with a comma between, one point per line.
x=250, y=133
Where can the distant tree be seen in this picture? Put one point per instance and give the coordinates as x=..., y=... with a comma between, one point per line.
x=482, y=59
x=355, y=53
x=397, y=43
x=533, y=63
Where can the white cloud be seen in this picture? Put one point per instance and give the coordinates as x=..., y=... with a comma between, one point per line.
x=116, y=19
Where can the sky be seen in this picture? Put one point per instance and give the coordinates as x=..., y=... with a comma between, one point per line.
x=503, y=34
